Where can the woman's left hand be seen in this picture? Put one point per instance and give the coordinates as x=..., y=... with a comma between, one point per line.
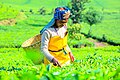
x=55, y=62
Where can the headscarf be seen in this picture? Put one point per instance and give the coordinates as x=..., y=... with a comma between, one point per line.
x=60, y=13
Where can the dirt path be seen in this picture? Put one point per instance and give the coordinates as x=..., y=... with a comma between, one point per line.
x=10, y=22
x=97, y=43
x=7, y=22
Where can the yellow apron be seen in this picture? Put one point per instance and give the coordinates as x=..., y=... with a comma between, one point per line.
x=58, y=48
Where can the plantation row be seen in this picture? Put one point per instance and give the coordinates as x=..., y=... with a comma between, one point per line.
x=90, y=63
x=103, y=31
x=28, y=28
x=7, y=12
x=12, y=36
x=108, y=30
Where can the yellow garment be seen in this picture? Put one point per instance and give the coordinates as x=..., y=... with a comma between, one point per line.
x=57, y=43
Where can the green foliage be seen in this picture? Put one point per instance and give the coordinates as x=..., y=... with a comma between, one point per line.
x=7, y=12
x=76, y=28
x=109, y=26
x=84, y=43
x=90, y=63
x=26, y=5
x=105, y=4
x=74, y=31
x=79, y=41
x=107, y=30
x=14, y=36
x=76, y=39
x=77, y=7
x=42, y=11
x=29, y=27
x=92, y=17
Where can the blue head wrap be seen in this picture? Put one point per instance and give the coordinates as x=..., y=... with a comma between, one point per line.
x=58, y=15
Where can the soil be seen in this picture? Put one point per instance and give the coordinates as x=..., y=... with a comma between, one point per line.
x=98, y=43
x=10, y=22
x=7, y=22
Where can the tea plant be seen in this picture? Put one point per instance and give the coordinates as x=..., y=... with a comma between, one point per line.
x=90, y=63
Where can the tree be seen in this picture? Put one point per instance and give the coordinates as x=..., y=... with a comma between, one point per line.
x=42, y=11
x=92, y=17
x=77, y=6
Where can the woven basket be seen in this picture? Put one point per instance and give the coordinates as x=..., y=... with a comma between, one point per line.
x=32, y=48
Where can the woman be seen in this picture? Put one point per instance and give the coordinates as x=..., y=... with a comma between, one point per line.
x=54, y=39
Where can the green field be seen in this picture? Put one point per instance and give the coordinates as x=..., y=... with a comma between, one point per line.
x=110, y=24
x=107, y=4
x=35, y=4
x=91, y=62
x=15, y=35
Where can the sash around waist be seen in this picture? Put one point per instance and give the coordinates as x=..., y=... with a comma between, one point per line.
x=55, y=51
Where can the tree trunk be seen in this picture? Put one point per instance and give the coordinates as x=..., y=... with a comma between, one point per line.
x=90, y=30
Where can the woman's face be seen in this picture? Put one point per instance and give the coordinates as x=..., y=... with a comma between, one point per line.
x=61, y=23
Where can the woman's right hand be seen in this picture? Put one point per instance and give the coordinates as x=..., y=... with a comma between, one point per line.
x=71, y=56
x=55, y=62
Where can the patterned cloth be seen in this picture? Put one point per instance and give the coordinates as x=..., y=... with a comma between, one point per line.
x=60, y=13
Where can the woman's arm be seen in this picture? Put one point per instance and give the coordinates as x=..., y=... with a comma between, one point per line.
x=70, y=54
x=44, y=45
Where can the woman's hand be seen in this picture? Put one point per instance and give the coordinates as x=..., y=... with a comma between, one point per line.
x=71, y=56
x=55, y=62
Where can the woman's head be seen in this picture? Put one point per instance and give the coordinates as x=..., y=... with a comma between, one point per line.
x=61, y=16
x=60, y=19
